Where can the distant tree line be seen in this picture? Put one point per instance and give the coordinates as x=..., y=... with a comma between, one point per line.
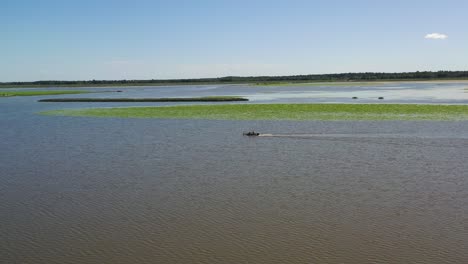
x=365, y=76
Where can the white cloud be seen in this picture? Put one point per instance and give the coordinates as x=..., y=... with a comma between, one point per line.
x=436, y=36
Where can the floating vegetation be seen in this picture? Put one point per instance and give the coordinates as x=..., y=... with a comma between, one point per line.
x=38, y=93
x=281, y=112
x=180, y=99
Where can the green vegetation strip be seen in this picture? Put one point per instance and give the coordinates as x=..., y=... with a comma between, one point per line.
x=37, y=93
x=282, y=112
x=181, y=99
x=325, y=84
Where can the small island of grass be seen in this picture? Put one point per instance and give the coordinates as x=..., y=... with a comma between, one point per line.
x=39, y=93
x=132, y=100
x=282, y=112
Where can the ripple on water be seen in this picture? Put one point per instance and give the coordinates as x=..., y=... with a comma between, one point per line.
x=81, y=190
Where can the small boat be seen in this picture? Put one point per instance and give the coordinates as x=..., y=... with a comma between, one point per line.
x=251, y=134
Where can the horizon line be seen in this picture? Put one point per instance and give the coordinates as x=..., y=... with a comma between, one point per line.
x=235, y=76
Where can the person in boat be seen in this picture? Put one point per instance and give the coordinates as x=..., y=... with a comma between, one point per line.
x=252, y=133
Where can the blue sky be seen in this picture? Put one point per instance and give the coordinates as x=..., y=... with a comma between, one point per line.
x=142, y=39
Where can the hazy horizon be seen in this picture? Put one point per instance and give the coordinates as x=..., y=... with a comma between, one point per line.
x=215, y=77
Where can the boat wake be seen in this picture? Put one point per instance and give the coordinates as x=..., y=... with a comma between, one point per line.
x=389, y=139
x=361, y=135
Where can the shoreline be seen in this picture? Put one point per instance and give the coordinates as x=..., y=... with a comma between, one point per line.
x=250, y=83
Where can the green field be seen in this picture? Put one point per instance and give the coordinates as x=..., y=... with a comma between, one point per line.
x=281, y=112
x=37, y=93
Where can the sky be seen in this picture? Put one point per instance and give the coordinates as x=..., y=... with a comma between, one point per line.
x=150, y=39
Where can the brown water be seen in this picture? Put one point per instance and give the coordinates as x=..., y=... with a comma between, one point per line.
x=85, y=190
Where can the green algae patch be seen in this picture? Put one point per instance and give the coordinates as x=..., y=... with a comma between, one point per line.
x=177, y=99
x=281, y=112
x=38, y=93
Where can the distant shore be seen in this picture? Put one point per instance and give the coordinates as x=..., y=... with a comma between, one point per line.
x=350, y=77
x=263, y=83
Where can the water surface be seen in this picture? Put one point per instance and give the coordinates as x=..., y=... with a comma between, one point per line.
x=88, y=190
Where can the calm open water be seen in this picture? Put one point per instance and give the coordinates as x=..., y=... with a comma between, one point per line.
x=88, y=190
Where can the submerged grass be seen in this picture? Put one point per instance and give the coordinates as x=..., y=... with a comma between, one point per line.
x=180, y=99
x=282, y=112
x=37, y=93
